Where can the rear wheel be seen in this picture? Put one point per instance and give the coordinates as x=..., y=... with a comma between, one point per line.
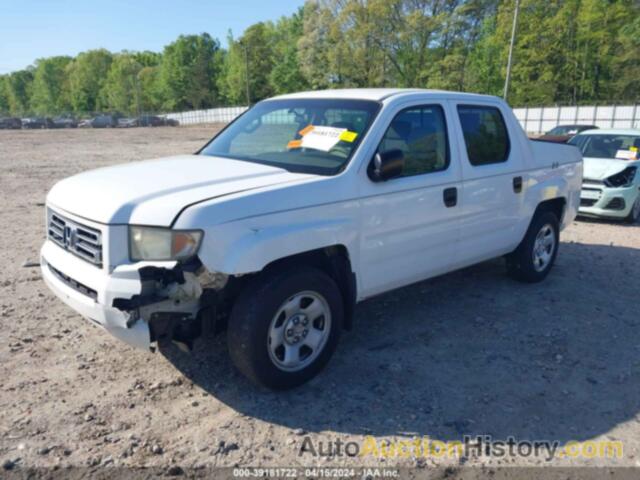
x=532, y=261
x=285, y=326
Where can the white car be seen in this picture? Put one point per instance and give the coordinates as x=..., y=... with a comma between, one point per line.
x=303, y=206
x=611, y=185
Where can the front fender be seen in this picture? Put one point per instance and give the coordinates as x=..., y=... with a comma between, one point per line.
x=240, y=249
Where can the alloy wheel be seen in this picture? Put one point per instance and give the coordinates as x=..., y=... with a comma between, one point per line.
x=544, y=247
x=299, y=331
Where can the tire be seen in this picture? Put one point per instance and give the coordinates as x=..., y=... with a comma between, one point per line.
x=526, y=264
x=634, y=214
x=266, y=337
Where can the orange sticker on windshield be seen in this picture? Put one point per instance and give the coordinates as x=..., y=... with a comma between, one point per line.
x=306, y=130
x=294, y=144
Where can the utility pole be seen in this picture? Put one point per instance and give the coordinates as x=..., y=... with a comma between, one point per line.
x=513, y=41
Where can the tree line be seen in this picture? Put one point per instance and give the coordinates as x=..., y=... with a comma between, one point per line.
x=566, y=52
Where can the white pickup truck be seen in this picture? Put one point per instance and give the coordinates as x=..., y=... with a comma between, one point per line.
x=303, y=206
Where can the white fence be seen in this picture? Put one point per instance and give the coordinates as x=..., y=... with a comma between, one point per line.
x=532, y=119
x=212, y=115
x=542, y=119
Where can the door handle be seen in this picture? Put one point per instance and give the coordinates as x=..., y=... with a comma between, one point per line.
x=450, y=197
x=517, y=184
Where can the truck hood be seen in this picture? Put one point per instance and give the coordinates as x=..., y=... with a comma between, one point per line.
x=155, y=192
x=601, y=168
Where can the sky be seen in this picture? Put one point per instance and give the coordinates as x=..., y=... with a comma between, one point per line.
x=31, y=29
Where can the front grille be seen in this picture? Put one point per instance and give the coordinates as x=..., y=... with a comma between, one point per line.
x=591, y=181
x=84, y=242
x=77, y=286
x=587, y=202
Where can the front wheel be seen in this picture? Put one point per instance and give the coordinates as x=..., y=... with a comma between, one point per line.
x=634, y=214
x=531, y=262
x=285, y=326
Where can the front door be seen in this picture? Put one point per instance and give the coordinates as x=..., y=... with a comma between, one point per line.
x=410, y=224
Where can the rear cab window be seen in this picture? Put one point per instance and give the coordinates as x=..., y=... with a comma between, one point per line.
x=485, y=134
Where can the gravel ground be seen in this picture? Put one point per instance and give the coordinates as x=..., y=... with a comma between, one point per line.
x=468, y=353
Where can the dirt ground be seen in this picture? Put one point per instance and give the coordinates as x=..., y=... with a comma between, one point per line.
x=468, y=353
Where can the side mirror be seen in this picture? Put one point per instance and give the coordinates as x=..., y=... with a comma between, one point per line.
x=386, y=165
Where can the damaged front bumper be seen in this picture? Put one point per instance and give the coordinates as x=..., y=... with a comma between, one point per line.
x=601, y=201
x=136, y=303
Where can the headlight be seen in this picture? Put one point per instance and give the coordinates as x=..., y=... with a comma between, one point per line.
x=153, y=243
x=622, y=179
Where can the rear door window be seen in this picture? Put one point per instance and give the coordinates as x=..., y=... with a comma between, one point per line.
x=485, y=134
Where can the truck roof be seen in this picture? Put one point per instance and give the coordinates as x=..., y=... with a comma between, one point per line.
x=379, y=94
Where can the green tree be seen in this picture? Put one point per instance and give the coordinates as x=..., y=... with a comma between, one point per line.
x=599, y=47
x=341, y=43
x=4, y=98
x=87, y=75
x=405, y=43
x=286, y=75
x=188, y=72
x=408, y=34
x=356, y=54
x=122, y=91
x=18, y=91
x=314, y=46
x=485, y=73
x=49, y=91
x=626, y=62
x=566, y=51
x=460, y=31
x=532, y=80
x=150, y=89
x=147, y=58
x=252, y=57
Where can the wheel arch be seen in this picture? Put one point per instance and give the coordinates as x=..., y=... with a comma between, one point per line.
x=557, y=206
x=335, y=261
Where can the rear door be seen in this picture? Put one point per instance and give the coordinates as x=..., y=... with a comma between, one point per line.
x=410, y=224
x=493, y=182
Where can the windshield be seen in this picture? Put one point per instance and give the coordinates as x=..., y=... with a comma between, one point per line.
x=624, y=147
x=306, y=136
